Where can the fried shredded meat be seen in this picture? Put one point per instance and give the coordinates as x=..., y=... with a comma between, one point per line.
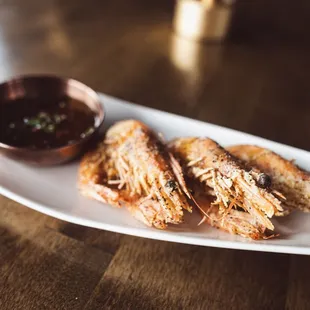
x=286, y=177
x=132, y=167
x=236, y=190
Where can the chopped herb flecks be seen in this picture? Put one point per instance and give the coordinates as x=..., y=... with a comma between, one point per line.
x=44, y=121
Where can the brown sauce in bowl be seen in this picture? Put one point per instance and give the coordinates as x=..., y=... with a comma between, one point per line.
x=40, y=123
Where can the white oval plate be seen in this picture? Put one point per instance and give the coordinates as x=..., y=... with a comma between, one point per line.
x=53, y=190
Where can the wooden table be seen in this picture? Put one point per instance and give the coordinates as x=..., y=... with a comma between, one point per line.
x=257, y=82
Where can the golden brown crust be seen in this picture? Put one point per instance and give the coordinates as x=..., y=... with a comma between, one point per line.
x=133, y=167
x=226, y=178
x=236, y=222
x=292, y=181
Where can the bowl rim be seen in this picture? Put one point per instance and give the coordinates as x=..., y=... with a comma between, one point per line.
x=99, y=115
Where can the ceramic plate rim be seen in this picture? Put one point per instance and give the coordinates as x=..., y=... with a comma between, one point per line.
x=152, y=233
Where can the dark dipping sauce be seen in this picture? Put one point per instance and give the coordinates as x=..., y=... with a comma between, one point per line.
x=40, y=123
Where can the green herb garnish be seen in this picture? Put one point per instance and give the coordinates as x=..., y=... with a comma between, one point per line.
x=87, y=132
x=44, y=121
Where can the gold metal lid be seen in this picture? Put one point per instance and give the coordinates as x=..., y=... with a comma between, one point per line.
x=202, y=19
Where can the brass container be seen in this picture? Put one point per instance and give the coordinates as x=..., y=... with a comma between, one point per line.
x=49, y=86
x=204, y=20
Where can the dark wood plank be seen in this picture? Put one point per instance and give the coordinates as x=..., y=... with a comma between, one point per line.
x=298, y=283
x=147, y=274
x=41, y=268
x=107, y=241
x=49, y=271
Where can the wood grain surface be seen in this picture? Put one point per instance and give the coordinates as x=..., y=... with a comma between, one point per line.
x=258, y=82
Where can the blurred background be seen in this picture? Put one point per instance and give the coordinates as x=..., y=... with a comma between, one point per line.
x=256, y=80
